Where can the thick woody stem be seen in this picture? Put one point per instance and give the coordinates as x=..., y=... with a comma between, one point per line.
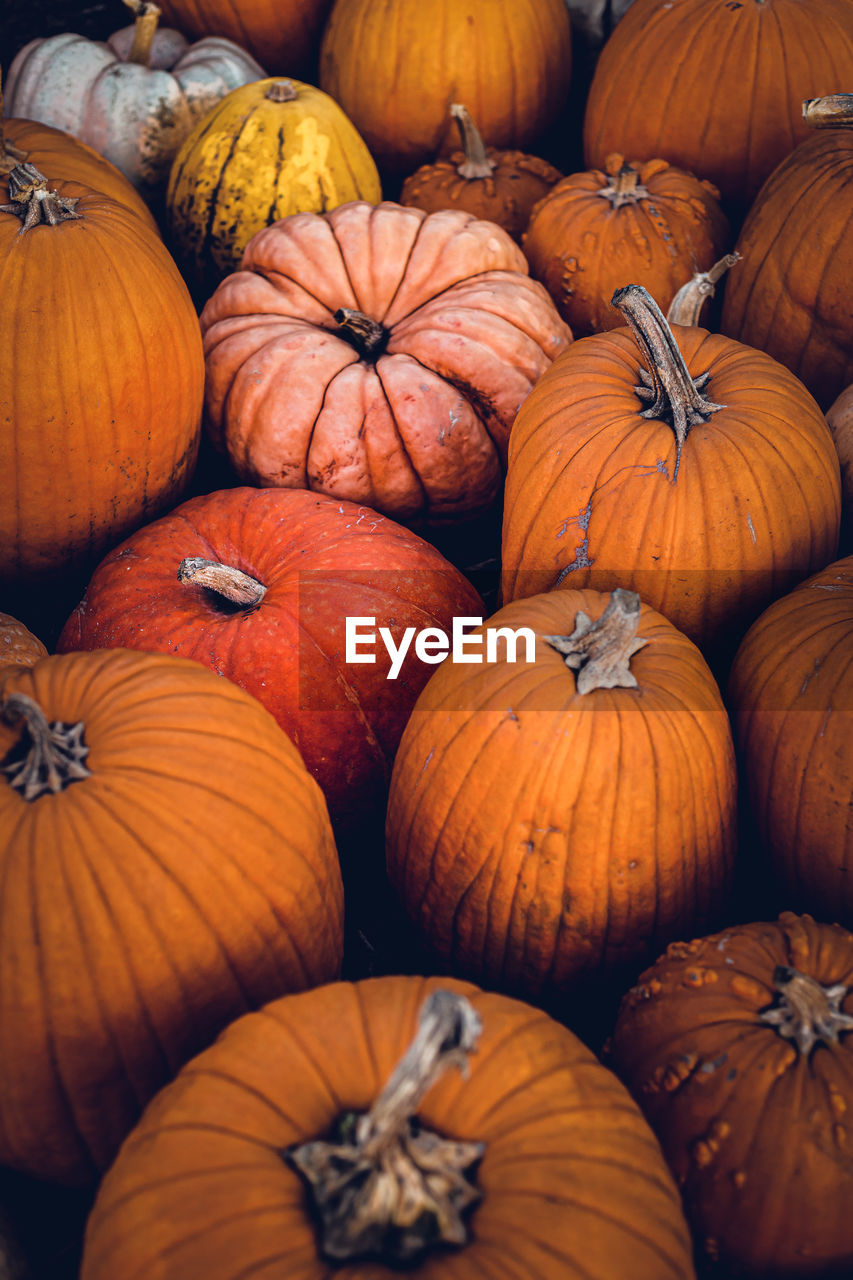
x=367, y=336
x=601, y=651
x=147, y=16
x=49, y=757
x=231, y=584
x=687, y=304
x=835, y=111
x=281, y=91
x=624, y=187
x=675, y=395
x=33, y=203
x=807, y=1012
x=390, y=1188
x=476, y=163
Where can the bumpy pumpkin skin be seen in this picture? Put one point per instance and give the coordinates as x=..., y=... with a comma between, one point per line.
x=419, y=431
x=395, y=70
x=656, y=227
x=191, y=877
x=754, y=1130
x=101, y=387
x=792, y=702
x=590, y=498
x=839, y=415
x=267, y=150
x=282, y=34
x=320, y=561
x=537, y=835
x=716, y=88
x=18, y=645
x=572, y=1180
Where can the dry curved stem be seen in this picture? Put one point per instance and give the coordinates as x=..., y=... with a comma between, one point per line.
x=687, y=304
x=231, y=584
x=807, y=1012
x=49, y=757
x=675, y=395
x=477, y=163
x=624, y=187
x=147, y=17
x=389, y=1188
x=834, y=111
x=368, y=336
x=281, y=91
x=601, y=651
x=33, y=203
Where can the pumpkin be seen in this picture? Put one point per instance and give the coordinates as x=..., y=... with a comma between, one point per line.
x=790, y=304
x=500, y=185
x=738, y=1049
x=167, y=864
x=135, y=98
x=677, y=463
x=715, y=87
x=647, y=222
x=269, y=149
x=283, y=34
x=18, y=647
x=377, y=354
x=839, y=415
x=698, y=292
x=545, y=827
x=101, y=377
x=791, y=699
x=396, y=69
x=257, y=584
x=534, y=1163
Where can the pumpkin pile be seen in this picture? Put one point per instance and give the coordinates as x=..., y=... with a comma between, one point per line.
x=426, y=640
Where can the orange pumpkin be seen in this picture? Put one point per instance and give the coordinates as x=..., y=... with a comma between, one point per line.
x=282, y=34
x=738, y=1049
x=167, y=864
x=568, y=1181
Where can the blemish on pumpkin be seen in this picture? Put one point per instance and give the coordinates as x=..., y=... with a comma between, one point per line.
x=749, y=990
x=751, y=528
x=426, y=762
x=581, y=560
x=739, y=1178
x=836, y=1101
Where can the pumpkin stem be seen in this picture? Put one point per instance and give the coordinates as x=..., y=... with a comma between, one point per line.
x=33, y=203
x=367, y=336
x=9, y=155
x=687, y=304
x=147, y=16
x=388, y=1187
x=281, y=91
x=807, y=1011
x=601, y=651
x=476, y=163
x=675, y=395
x=624, y=186
x=230, y=584
x=835, y=111
x=48, y=757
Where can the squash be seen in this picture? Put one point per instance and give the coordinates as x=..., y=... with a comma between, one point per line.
x=18, y=646
x=167, y=865
x=283, y=34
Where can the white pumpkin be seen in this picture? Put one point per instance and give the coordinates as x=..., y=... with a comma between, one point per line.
x=134, y=98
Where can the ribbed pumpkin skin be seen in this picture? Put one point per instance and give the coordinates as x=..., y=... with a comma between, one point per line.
x=590, y=499
x=192, y=877
x=18, y=646
x=536, y=835
x=791, y=696
x=573, y=1184
x=419, y=431
x=795, y=306
x=714, y=87
x=281, y=34
x=755, y=1132
x=252, y=161
x=396, y=66
x=582, y=248
x=321, y=561
x=101, y=385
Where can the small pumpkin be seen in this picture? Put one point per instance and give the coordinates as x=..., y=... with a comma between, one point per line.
x=839, y=415
x=134, y=98
x=647, y=222
x=267, y=150
x=167, y=864
x=500, y=185
x=531, y=1161
x=18, y=645
x=283, y=34
x=738, y=1048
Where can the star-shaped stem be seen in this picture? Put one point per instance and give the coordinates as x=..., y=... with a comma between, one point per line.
x=601, y=651
x=806, y=1011
x=33, y=203
x=49, y=757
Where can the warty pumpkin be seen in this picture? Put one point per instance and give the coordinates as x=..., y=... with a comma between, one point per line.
x=283, y=34
x=545, y=827
x=101, y=377
x=532, y=1164
x=267, y=150
x=18, y=646
x=677, y=463
x=738, y=1049
x=167, y=864
x=378, y=354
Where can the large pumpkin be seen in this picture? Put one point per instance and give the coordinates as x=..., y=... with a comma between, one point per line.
x=379, y=354
x=677, y=463
x=167, y=864
x=535, y=1164
x=544, y=827
x=283, y=34
x=101, y=377
x=791, y=697
x=715, y=86
x=396, y=68
x=258, y=584
x=738, y=1048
